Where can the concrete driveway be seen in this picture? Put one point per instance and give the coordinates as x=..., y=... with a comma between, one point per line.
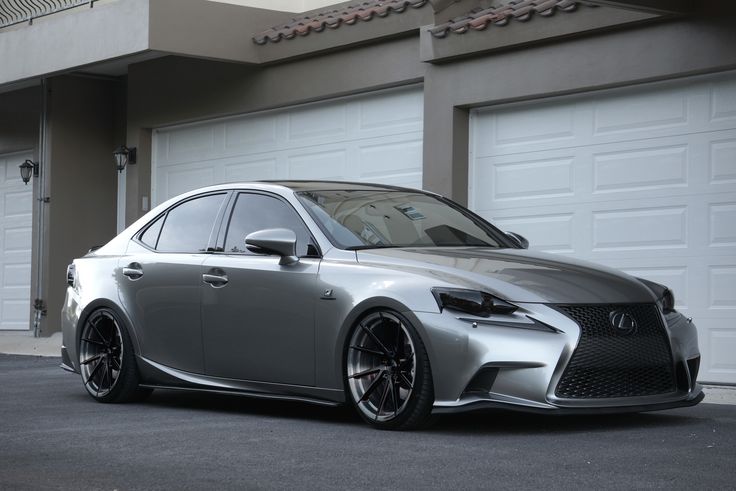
x=53, y=436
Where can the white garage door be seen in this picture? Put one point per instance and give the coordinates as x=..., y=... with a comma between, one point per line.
x=373, y=138
x=642, y=179
x=16, y=218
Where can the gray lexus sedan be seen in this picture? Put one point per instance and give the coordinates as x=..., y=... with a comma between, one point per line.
x=396, y=301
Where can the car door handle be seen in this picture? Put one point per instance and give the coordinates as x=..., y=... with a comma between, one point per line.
x=215, y=280
x=133, y=271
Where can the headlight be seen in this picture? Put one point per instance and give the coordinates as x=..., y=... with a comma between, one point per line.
x=664, y=295
x=71, y=275
x=472, y=302
x=668, y=301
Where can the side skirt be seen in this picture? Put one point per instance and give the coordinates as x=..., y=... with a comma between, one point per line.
x=159, y=376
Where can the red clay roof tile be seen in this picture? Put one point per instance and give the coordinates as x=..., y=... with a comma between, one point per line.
x=333, y=19
x=520, y=10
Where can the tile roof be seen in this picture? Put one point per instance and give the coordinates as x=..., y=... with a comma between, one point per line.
x=520, y=10
x=332, y=19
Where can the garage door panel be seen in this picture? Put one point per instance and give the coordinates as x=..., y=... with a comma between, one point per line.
x=605, y=118
x=396, y=112
x=179, y=179
x=646, y=184
x=723, y=102
x=386, y=158
x=722, y=287
x=721, y=345
x=666, y=168
x=628, y=170
x=317, y=123
x=326, y=164
x=17, y=204
x=722, y=224
x=658, y=227
x=665, y=110
x=520, y=130
x=722, y=159
x=375, y=137
x=251, y=135
x=256, y=169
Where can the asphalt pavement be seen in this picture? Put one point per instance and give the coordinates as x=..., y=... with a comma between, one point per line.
x=53, y=436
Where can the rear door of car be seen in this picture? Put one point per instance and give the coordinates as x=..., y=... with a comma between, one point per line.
x=160, y=278
x=258, y=315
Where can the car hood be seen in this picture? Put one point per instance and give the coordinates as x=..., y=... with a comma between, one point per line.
x=515, y=275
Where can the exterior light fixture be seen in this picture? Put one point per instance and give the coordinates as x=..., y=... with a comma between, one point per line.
x=123, y=156
x=26, y=169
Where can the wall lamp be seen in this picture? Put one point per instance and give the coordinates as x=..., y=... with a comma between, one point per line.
x=26, y=168
x=123, y=156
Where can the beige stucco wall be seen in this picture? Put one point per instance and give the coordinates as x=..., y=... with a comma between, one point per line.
x=80, y=179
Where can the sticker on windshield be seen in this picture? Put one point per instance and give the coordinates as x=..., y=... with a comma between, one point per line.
x=410, y=212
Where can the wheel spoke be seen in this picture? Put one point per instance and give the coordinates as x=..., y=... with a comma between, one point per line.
x=372, y=387
x=90, y=360
x=93, y=372
x=384, y=396
x=367, y=350
x=102, y=378
x=376, y=340
x=366, y=372
x=117, y=363
x=394, y=398
x=94, y=326
x=110, y=378
x=410, y=386
x=92, y=341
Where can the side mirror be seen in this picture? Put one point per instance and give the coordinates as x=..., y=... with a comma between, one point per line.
x=280, y=241
x=518, y=239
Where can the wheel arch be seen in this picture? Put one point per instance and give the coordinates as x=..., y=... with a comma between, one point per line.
x=101, y=303
x=363, y=309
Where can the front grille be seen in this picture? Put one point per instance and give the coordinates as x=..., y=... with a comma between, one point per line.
x=612, y=362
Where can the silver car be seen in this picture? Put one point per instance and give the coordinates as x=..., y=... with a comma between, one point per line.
x=399, y=302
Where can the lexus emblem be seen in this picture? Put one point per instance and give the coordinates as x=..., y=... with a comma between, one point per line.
x=622, y=321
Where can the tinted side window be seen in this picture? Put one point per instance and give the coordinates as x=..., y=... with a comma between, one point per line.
x=187, y=227
x=150, y=236
x=253, y=212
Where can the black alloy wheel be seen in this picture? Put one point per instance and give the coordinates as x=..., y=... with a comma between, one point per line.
x=107, y=361
x=387, y=372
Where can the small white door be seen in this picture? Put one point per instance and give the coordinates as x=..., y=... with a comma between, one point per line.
x=16, y=230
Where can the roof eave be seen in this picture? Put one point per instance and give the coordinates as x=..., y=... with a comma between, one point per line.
x=516, y=34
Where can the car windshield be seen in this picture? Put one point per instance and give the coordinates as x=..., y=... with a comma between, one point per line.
x=386, y=218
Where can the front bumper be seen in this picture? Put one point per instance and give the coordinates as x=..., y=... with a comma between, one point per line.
x=479, y=364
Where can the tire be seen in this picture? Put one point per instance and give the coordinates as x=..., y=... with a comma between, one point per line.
x=387, y=373
x=107, y=361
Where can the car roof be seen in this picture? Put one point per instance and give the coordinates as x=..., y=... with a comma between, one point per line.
x=299, y=185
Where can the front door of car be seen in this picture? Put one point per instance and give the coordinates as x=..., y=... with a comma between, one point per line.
x=258, y=315
x=159, y=282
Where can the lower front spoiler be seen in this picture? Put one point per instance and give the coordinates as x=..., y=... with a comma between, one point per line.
x=480, y=405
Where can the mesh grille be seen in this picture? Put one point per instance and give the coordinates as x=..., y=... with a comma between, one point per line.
x=609, y=362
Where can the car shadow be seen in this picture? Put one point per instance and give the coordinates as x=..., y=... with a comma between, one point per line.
x=491, y=421
x=245, y=405
x=499, y=422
